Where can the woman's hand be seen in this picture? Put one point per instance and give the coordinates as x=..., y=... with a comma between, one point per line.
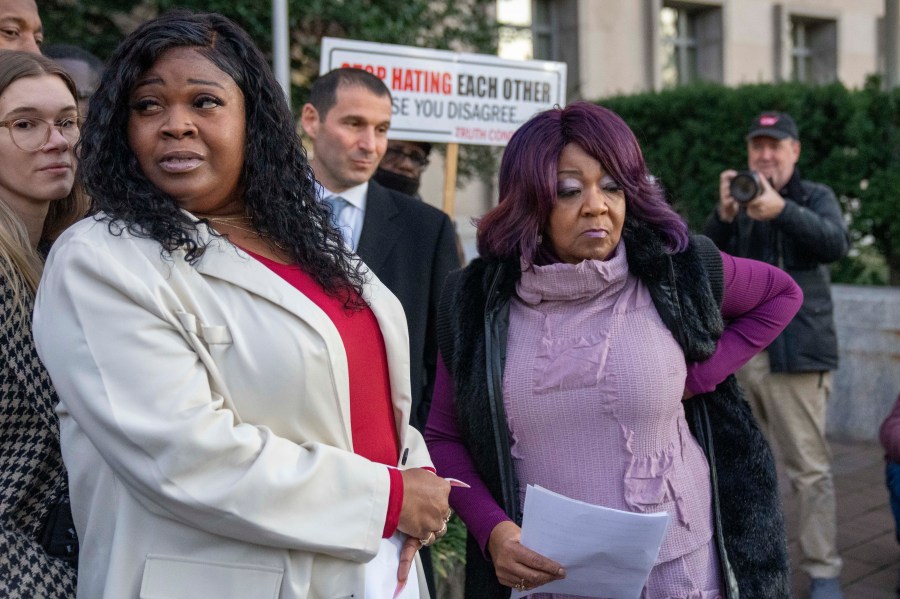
x=517, y=566
x=407, y=555
x=423, y=516
x=768, y=204
x=425, y=509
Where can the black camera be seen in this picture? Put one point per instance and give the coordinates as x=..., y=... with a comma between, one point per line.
x=745, y=186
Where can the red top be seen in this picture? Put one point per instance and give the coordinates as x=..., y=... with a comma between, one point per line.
x=372, y=425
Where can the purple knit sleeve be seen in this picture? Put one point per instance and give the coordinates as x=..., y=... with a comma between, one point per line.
x=475, y=506
x=759, y=300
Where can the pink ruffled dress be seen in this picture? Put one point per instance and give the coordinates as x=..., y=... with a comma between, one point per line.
x=588, y=352
x=592, y=388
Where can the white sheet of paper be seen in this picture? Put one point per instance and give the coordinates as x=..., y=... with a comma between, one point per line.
x=381, y=572
x=606, y=552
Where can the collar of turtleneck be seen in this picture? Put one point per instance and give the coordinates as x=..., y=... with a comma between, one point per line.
x=563, y=281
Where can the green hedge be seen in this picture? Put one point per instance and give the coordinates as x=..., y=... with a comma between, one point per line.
x=850, y=141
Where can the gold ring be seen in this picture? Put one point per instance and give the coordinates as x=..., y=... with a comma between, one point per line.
x=449, y=515
x=442, y=531
x=429, y=540
x=522, y=586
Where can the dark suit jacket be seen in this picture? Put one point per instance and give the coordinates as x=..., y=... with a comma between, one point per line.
x=411, y=246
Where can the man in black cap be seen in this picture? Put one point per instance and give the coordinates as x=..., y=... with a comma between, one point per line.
x=797, y=226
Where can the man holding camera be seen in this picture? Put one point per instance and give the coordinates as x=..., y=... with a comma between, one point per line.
x=770, y=214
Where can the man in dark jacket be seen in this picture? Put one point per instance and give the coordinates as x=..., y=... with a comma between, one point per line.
x=774, y=216
x=408, y=244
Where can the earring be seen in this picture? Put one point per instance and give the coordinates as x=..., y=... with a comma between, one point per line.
x=540, y=238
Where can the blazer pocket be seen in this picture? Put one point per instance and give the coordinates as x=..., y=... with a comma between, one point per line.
x=215, y=334
x=172, y=577
x=210, y=335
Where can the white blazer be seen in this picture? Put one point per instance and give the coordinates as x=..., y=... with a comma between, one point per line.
x=205, y=423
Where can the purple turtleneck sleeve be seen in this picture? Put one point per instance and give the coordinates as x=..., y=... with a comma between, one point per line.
x=759, y=300
x=475, y=506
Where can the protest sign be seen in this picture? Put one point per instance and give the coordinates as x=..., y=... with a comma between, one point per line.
x=453, y=97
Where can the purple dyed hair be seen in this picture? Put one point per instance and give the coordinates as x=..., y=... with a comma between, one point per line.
x=528, y=181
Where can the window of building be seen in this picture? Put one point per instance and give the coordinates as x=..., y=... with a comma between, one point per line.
x=515, y=38
x=532, y=28
x=691, y=43
x=679, y=63
x=543, y=27
x=813, y=50
x=542, y=30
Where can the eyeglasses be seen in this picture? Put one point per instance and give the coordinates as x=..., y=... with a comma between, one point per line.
x=417, y=158
x=31, y=135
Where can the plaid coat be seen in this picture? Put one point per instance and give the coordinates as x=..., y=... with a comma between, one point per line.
x=32, y=475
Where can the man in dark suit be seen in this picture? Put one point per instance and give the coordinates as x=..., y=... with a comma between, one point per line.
x=408, y=244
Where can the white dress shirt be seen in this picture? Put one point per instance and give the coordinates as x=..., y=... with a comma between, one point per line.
x=351, y=217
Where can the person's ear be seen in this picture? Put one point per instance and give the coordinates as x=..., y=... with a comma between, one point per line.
x=309, y=120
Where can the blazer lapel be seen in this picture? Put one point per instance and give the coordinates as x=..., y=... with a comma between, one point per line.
x=392, y=322
x=230, y=263
x=379, y=233
x=226, y=262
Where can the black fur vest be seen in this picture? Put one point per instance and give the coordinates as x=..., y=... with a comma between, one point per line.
x=686, y=289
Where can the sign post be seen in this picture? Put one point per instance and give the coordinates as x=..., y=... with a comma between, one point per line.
x=281, y=61
x=453, y=97
x=450, y=163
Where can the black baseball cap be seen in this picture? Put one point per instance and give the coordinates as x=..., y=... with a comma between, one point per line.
x=779, y=125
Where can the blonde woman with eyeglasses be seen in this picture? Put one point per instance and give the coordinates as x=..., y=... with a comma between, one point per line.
x=38, y=199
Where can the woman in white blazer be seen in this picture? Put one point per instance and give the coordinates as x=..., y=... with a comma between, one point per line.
x=233, y=384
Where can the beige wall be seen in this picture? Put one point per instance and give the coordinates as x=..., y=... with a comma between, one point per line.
x=614, y=45
x=749, y=42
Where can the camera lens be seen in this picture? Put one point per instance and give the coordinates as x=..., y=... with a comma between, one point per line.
x=744, y=187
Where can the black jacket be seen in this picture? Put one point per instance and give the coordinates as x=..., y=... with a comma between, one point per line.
x=809, y=234
x=411, y=247
x=472, y=330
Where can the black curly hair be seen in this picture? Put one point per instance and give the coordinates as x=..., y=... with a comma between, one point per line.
x=277, y=182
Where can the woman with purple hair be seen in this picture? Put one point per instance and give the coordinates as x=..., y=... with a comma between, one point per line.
x=590, y=351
